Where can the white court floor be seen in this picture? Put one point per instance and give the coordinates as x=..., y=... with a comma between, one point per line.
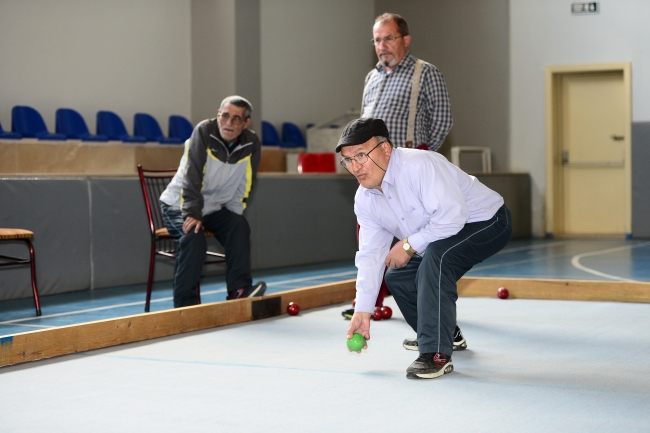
x=530, y=366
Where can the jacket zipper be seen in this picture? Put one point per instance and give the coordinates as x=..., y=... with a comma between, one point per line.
x=241, y=146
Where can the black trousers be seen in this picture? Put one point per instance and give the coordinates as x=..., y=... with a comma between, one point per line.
x=425, y=289
x=231, y=230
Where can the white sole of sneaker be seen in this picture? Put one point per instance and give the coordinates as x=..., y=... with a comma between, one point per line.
x=448, y=368
x=408, y=346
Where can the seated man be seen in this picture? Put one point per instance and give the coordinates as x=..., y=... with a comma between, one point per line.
x=209, y=191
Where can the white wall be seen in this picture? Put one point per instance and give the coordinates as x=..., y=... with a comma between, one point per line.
x=315, y=56
x=544, y=33
x=121, y=55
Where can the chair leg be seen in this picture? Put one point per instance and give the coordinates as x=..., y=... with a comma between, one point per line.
x=32, y=264
x=152, y=264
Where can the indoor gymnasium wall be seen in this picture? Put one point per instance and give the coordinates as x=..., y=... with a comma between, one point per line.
x=545, y=34
x=468, y=42
x=315, y=56
x=123, y=55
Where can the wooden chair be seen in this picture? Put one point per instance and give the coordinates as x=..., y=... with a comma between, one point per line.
x=25, y=236
x=153, y=183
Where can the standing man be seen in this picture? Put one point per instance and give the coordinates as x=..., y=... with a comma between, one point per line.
x=408, y=94
x=447, y=222
x=209, y=191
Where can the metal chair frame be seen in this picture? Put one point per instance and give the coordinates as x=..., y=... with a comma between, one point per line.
x=31, y=261
x=153, y=183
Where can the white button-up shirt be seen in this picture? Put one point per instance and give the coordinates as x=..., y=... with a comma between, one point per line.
x=425, y=198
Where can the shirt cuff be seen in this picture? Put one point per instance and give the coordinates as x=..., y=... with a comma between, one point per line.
x=365, y=302
x=418, y=243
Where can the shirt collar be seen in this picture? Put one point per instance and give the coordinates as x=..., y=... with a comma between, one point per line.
x=406, y=62
x=392, y=171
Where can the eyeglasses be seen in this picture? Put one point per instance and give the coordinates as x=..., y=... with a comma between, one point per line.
x=388, y=40
x=360, y=158
x=235, y=120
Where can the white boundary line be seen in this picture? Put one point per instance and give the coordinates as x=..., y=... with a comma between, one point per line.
x=575, y=261
x=169, y=298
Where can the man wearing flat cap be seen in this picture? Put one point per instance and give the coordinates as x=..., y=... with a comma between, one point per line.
x=446, y=220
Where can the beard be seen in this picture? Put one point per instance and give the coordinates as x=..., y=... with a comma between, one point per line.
x=385, y=60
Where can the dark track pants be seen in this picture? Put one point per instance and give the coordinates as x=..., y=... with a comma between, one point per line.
x=231, y=230
x=425, y=289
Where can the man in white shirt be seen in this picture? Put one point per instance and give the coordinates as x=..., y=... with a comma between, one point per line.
x=447, y=222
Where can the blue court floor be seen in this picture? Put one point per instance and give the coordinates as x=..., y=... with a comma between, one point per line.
x=609, y=259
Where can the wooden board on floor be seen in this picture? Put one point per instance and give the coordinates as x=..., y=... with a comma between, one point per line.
x=48, y=343
x=574, y=290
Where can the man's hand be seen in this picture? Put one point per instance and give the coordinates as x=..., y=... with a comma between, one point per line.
x=397, y=257
x=192, y=222
x=360, y=323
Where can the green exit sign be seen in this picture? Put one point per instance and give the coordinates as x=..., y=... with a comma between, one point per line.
x=585, y=8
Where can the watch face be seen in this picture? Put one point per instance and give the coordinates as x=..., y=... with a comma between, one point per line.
x=407, y=246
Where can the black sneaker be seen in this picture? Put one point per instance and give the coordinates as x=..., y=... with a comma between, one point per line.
x=459, y=341
x=347, y=314
x=257, y=290
x=430, y=366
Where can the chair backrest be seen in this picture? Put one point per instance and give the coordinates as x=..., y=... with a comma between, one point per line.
x=180, y=127
x=153, y=183
x=27, y=121
x=291, y=134
x=270, y=136
x=70, y=123
x=147, y=126
x=110, y=124
x=317, y=163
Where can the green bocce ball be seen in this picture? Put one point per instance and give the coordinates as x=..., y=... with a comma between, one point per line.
x=356, y=343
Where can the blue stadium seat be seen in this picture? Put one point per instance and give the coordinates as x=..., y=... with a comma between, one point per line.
x=147, y=126
x=9, y=135
x=180, y=127
x=70, y=123
x=29, y=123
x=291, y=134
x=270, y=136
x=110, y=125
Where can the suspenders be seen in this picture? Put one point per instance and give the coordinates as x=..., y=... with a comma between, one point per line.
x=415, y=92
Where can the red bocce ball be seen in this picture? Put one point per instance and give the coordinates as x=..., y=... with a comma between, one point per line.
x=377, y=315
x=293, y=309
x=386, y=312
x=502, y=293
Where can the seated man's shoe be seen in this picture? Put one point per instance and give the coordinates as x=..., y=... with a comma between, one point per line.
x=347, y=314
x=459, y=341
x=430, y=366
x=257, y=290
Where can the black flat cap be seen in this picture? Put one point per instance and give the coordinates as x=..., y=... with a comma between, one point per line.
x=361, y=130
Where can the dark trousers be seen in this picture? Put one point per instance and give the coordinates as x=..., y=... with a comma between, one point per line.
x=425, y=289
x=231, y=230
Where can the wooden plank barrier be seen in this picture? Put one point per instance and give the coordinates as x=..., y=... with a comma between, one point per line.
x=47, y=343
x=64, y=340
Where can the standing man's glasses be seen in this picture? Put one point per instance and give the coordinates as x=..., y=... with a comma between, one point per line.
x=235, y=120
x=360, y=158
x=388, y=40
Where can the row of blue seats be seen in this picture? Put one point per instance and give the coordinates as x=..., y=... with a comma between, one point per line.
x=291, y=135
x=26, y=122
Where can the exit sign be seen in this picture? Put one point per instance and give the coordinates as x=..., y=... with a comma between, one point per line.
x=585, y=8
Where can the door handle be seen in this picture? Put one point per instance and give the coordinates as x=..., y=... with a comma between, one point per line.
x=617, y=137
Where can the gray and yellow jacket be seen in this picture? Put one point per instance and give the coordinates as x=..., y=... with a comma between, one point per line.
x=211, y=175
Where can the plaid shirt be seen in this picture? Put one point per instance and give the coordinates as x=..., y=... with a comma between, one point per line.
x=390, y=95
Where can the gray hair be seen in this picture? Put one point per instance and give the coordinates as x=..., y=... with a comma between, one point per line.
x=381, y=139
x=240, y=102
x=402, y=26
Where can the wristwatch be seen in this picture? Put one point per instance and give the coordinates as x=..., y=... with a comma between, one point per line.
x=407, y=247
